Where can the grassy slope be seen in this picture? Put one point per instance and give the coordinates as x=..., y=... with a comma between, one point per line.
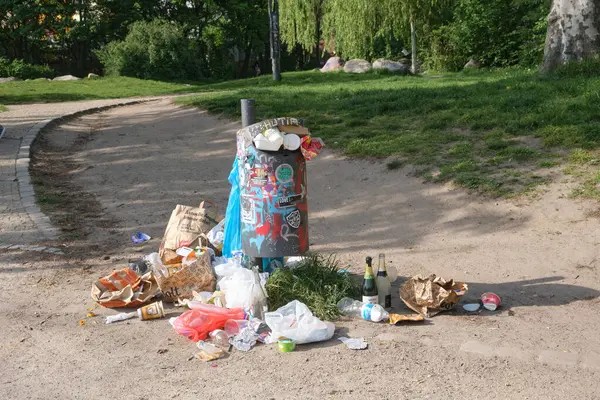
x=40, y=91
x=495, y=132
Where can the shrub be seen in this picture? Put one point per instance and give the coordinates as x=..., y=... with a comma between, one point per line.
x=20, y=69
x=499, y=34
x=153, y=50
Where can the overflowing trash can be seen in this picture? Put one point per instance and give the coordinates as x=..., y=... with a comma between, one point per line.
x=273, y=188
x=274, y=206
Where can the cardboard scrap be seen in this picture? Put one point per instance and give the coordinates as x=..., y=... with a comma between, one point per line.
x=124, y=288
x=298, y=130
x=432, y=295
x=180, y=281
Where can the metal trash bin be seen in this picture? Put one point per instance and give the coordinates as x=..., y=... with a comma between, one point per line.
x=273, y=196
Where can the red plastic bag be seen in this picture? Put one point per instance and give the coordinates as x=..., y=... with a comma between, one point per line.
x=197, y=324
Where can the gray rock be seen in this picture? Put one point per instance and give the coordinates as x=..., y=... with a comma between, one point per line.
x=333, y=64
x=357, y=66
x=93, y=76
x=66, y=78
x=9, y=79
x=392, y=66
x=472, y=64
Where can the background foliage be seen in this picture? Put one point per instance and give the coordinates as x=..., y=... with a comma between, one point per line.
x=228, y=38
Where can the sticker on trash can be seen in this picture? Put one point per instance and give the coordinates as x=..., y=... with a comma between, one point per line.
x=293, y=219
x=248, y=211
x=284, y=173
x=288, y=201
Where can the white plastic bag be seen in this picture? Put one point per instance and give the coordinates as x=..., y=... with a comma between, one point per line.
x=243, y=289
x=226, y=269
x=295, y=321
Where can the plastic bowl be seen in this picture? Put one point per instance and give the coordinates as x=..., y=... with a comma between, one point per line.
x=491, y=301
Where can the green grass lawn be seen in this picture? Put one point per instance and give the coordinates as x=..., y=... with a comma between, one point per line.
x=499, y=132
x=42, y=91
x=3, y=108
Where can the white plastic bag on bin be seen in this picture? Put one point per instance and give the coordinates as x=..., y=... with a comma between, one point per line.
x=297, y=322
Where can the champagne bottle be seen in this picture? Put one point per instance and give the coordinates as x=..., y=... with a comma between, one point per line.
x=369, y=287
x=384, y=287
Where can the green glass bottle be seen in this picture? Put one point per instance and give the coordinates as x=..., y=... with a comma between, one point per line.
x=369, y=287
x=384, y=286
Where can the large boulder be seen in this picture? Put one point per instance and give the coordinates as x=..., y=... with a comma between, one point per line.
x=93, y=76
x=333, y=64
x=392, y=66
x=66, y=78
x=472, y=64
x=9, y=79
x=357, y=66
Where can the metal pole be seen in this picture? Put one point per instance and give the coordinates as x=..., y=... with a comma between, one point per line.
x=248, y=114
x=248, y=118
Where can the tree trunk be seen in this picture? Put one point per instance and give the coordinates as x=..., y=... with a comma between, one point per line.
x=413, y=45
x=318, y=38
x=572, y=32
x=275, y=41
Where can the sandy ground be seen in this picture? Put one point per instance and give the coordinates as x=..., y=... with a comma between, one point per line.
x=137, y=162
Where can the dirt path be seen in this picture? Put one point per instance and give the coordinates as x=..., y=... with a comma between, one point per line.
x=137, y=162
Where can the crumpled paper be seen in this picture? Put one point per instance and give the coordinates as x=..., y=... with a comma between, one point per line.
x=354, y=343
x=431, y=295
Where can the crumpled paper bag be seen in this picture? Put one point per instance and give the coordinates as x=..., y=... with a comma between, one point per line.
x=124, y=288
x=432, y=295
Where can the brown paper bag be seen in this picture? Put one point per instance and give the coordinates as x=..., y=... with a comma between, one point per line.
x=179, y=284
x=432, y=295
x=187, y=227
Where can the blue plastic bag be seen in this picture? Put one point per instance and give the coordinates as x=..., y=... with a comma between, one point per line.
x=232, y=237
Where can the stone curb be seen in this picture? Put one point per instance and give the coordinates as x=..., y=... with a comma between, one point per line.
x=22, y=161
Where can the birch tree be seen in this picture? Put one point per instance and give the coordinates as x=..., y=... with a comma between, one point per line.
x=572, y=34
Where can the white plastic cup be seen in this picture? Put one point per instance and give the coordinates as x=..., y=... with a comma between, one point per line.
x=291, y=141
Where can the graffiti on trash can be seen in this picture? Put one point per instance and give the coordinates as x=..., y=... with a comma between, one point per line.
x=274, y=204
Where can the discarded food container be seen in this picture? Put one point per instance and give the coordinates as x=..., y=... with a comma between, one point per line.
x=219, y=337
x=151, y=311
x=291, y=142
x=209, y=352
x=490, y=301
x=472, y=307
x=286, y=345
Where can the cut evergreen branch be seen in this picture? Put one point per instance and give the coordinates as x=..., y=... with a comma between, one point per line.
x=316, y=282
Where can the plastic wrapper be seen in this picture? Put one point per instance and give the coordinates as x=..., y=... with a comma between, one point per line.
x=216, y=235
